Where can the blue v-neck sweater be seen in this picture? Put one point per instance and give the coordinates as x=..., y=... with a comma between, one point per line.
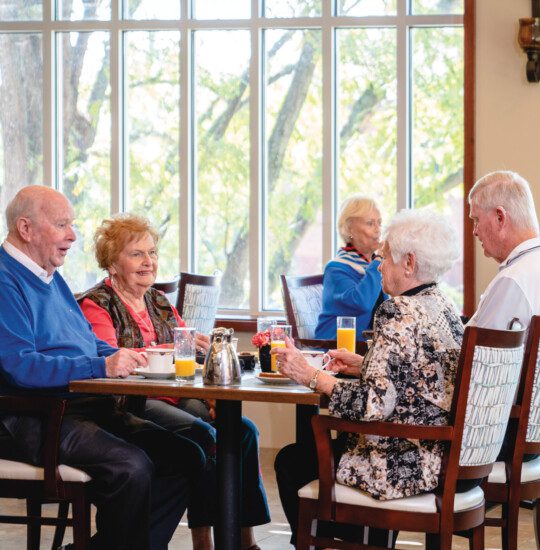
x=45, y=341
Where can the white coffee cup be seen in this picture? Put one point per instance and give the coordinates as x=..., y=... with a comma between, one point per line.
x=314, y=357
x=160, y=359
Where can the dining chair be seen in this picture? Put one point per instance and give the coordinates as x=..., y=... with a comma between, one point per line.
x=486, y=380
x=302, y=297
x=198, y=300
x=169, y=288
x=52, y=482
x=514, y=480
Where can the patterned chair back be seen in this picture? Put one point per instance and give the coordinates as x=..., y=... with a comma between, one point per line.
x=198, y=300
x=303, y=303
x=533, y=425
x=494, y=378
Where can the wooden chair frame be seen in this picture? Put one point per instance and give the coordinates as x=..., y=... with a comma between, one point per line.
x=438, y=526
x=191, y=279
x=510, y=494
x=52, y=488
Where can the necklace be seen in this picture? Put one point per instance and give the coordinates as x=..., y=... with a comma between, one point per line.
x=138, y=318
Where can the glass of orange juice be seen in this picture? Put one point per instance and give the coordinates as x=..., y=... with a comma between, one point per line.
x=184, y=354
x=346, y=333
x=277, y=340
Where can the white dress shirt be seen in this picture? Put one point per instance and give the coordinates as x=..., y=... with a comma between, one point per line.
x=25, y=260
x=514, y=292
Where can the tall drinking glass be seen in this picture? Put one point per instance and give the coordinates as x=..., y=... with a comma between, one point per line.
x=346, y=333
x=184, y=354
x=277, y=340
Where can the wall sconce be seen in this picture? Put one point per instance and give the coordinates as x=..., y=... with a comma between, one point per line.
x=529, y=40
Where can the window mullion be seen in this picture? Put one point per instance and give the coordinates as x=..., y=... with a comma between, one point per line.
x=119, y=178
x=256, y=235
x=403, y=195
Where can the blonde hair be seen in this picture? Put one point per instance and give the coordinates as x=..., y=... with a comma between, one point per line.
x=509, y=190
x=355, y=206
x=116, y=232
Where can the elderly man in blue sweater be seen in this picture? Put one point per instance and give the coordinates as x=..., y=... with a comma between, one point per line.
x=139, y=471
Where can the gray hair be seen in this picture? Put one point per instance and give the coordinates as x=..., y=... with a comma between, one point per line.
x=353, y=207
x=27, y=203
x=509, y=190
x=430, y=237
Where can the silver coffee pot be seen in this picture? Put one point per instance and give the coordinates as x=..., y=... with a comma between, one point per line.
x=221, y=366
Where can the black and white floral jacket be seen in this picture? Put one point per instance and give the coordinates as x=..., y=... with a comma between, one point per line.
x=407, y=377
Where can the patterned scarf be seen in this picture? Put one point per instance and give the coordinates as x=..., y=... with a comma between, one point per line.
x=350, y=256
x=128, y=333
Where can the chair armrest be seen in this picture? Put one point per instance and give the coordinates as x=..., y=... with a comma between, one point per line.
x=385, y=429
x=324, y=425
x=52, y=410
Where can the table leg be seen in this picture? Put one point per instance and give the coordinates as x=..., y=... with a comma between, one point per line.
x=228, y=458
x=304, y=432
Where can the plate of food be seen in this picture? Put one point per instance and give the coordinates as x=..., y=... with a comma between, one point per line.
x=275, y=378
x=147, y=373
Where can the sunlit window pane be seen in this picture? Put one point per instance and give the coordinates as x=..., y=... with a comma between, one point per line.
x=293, y=186
x=364, y=8
x=80, y=10
x=293, y=8
x=152, y=118
x=366, y=116
x=437, y=129
x=221, y=98
x=84, y=143
x=21, y=114
x=219, y=9
x=21, y=10
x=437, y=7
x=150, y=9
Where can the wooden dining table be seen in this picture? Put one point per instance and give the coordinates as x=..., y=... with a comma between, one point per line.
x=228, y=424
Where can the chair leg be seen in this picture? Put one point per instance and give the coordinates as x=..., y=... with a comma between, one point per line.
x=59, y=532
x=536, y=523
x=510, y=532
x=33, y=529
x=307, y=525
x=476, y=542
x=81, y=521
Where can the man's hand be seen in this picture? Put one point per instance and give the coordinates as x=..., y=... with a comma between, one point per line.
x=123, y=363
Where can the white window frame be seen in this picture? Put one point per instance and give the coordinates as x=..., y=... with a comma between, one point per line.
x=328, y=23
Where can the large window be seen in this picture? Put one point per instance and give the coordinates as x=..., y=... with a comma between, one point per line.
x=237, y=134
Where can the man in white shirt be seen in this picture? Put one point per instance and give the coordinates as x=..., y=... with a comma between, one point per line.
x=505, y=222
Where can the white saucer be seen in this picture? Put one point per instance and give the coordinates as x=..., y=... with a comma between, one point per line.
x=276, y=381
x=157, y=375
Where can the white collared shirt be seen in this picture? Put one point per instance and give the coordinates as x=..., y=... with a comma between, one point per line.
x=25, y=260
x=514, y=292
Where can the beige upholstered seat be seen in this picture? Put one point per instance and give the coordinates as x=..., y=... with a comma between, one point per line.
x=21, y=470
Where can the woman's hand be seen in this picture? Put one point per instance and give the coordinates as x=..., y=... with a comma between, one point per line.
x=344, y=362
x=292, y=363
x=202, y=342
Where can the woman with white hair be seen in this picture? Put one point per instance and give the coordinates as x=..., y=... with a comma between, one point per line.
x=407, y=375
x=352, y=282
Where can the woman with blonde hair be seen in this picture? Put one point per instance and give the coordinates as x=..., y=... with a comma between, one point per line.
x=352, y=282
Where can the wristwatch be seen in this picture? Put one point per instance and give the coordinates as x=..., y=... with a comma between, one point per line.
x=313, y=381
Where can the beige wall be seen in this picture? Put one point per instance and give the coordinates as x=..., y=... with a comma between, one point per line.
x=507, y=137
x=507, y=106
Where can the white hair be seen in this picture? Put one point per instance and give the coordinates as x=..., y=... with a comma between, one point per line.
x=355, y=206
x=510, y=191
x=430, y=237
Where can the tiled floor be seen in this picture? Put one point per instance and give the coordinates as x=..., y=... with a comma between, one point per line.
x=274, y=536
